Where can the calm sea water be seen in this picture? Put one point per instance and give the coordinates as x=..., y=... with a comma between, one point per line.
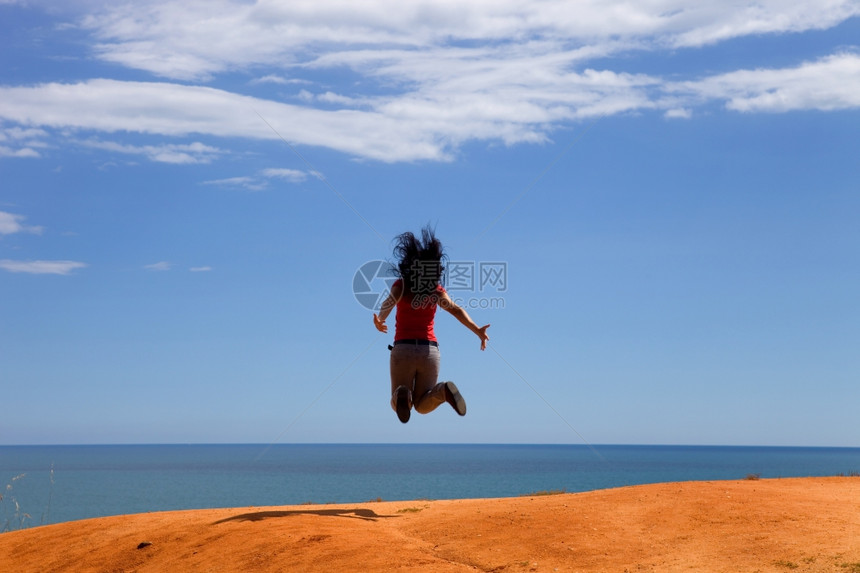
x=64, y=483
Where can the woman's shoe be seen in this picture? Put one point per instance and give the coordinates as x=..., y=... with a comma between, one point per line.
x=453, y=397
x=401, y=403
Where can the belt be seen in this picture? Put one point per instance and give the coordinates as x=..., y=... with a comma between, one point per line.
x=416, y=342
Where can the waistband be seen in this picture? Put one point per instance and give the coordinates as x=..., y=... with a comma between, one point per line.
x=416, y=342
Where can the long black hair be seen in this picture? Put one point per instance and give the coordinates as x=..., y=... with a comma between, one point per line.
x=419, y=261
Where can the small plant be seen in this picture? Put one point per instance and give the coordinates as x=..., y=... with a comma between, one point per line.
x=786, y=564
x=410, y=510
x=545, y=492
x=753, y=477
x=17, y=519
x=851, y=567
x=46, y=515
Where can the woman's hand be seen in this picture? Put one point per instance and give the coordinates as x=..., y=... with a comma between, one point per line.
x=482, y=334
x=380, y=324
x=387, y=306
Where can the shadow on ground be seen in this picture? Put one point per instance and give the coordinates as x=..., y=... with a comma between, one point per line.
x=360, y=513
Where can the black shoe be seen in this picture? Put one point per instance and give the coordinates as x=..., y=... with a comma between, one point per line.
x=401, y=404
x=453, y=397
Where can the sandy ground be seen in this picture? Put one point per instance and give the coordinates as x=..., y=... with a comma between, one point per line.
x=809, y=524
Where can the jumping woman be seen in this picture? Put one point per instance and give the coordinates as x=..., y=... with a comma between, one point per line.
x=415, y=354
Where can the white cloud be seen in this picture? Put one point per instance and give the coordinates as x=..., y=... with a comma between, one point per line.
x=16, y=133
x=271, y=79
x=20, y=152
x=305, y=95
x=200, y=269
x=159, y=266
x=678, y=113
x=166, y=153
x=248, y=183
x=432, y=74
x=20, y=142
x=828, y=84
x=701, y=23
x=11, y=223
x=41, y=267
x=195, y=40
x=337, y=99
x=418, y=125
x=260, y=181
x=276, y=79
x=291, y=175
x=179, y=110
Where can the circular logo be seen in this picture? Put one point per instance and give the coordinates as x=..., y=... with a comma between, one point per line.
x=372, y=283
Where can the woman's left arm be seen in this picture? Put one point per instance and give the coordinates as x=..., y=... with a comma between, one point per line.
x=460, y=314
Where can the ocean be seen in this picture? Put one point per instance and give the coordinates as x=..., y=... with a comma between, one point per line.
x=52, y=484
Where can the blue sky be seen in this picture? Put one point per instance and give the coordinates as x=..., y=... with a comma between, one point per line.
x=187, y=191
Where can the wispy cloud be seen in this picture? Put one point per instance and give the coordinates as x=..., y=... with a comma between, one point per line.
x=179, y=110
x=165, y=153
x=159, y=266
x=291, y=175
x=41, y=267
x=827, y=84
x=247, y=183
x=200, y=269
x=20, y=152
x=678, y=113
x=280, y=80
x=21, y=142
x=261, y=180
x=11, y=223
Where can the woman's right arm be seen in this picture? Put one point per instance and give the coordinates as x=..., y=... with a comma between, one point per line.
x=387, y=306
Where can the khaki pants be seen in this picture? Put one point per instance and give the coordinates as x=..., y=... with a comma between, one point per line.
x=417, y=368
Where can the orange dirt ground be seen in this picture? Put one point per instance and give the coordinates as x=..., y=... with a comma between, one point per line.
x=805, y=524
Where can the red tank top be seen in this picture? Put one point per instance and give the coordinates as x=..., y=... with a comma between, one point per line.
x=415, y=315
